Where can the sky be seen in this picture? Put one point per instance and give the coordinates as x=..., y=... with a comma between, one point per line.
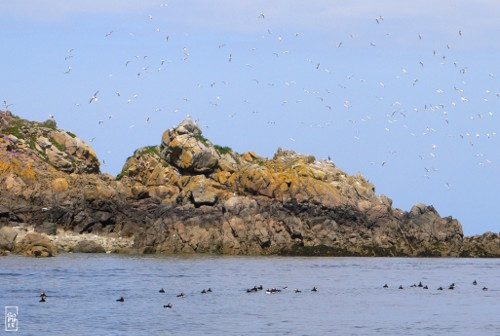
x=405, y=92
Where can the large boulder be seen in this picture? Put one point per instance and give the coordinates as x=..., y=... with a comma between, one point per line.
x=7, y=237
x=88, y=246
x=185, y=148
x=431, y=235
x=35, y=245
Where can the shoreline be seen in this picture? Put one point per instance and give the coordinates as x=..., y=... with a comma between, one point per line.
x=69, y=242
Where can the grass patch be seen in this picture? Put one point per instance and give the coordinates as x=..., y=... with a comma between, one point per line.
x=15, y=127
x=14, y=130
x=223, y=150
x=71, y=134
x=49, y=124
x=150, y=150
x=202, y=139
x=57, y=144
x=123, y=172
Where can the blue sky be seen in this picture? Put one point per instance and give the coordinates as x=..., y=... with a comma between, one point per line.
x=411, y=101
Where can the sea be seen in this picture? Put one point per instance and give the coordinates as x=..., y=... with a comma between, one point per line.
x=82, y=291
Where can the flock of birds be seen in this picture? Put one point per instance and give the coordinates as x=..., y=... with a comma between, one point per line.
x=335, y=101
x=274, y=83
x=273, y=290
x=450, y=287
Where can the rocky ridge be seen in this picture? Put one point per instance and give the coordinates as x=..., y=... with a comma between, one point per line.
x=187, y=195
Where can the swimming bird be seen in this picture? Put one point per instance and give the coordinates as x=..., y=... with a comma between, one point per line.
x=400, y=287
x=121, y=299
x=314, y=289
x=452, y=286
x=386, y=286
x=474, y=282
x=297, y=290
x=42, y=299
x=485, y=288
x=420, y=284
x=161, y=290
x=181, y=295
x=209, y=290
x=272, y=290
x=425, y=287
x=168, y=306
x=203, y=291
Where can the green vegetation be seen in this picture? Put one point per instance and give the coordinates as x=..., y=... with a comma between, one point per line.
x=50, y=124
x=150, y=150
x=71, y=134
x=222, y=150
x=57, y=144
x=123, y=172
x=15, y=132
x=15, y=127
x=202, y=139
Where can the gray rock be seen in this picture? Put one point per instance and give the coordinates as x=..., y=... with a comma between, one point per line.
x=7, y=238
x=188, y=126
x=48, y=228
x=88, y=246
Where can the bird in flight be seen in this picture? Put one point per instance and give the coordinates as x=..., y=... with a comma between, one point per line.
x=6, y=105
x=94, y=97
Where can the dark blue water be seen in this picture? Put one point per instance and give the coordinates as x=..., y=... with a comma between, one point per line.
x=82, y=292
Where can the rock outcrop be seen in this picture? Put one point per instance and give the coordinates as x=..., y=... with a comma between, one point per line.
x=187, y=195
x=486, y=245
x=36, y=245
x=88, y=246
x=7, y=238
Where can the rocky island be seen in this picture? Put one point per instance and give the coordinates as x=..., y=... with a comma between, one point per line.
x=186, y=195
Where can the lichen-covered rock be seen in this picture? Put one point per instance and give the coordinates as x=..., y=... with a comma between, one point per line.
x=187, y=195
x=187, y=149
x=35, y=245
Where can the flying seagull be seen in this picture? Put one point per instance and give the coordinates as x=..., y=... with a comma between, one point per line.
x=94, y=97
